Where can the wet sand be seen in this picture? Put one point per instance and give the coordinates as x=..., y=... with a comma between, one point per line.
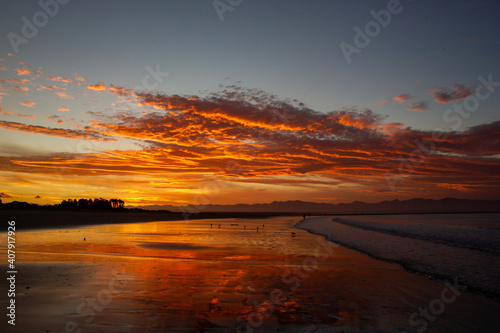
x=41, y=218
x=193, y=277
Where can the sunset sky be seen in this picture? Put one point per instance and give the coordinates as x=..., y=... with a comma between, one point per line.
x=187, y=102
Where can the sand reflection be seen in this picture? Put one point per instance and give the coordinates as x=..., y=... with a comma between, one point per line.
x=188, y=277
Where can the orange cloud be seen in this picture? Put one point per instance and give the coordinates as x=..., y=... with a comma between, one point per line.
x=56, y=119
x=27, y=104
x=97, y=87
x=419, y=106
x=248, y=137
x=62, y=109
x=15, y=114
x=60, y=79
x=288, y=139
x=86, y=134
x=44, y=86
x=402, y=98
x=62, y=94
x=19, y=89
x=24, y=71
x=445, y=95
x=15, y=80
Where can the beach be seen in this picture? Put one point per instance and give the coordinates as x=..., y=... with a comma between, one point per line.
x=224, y=275
x=45, y=218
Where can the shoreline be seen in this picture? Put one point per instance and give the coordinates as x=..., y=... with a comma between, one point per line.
x=47, y=218
x=406, y=266
x=41, y=219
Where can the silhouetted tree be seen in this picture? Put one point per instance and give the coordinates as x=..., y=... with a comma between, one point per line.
x=83, y=203
x=97, y=203
x=117, y=203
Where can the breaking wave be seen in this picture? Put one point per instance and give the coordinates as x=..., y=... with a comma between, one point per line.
x=467, y=253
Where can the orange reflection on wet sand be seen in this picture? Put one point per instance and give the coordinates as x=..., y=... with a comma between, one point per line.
x=194, y=276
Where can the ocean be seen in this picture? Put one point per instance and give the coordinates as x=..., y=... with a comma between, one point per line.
x=446, y=246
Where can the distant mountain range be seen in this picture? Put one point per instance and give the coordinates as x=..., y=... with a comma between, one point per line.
x=446, y=205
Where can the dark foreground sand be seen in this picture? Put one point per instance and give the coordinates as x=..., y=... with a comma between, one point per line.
x=170, y=296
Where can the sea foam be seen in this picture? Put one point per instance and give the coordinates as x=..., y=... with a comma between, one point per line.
x=469, y=254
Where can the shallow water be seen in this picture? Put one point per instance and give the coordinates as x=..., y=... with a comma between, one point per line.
x=190, y=276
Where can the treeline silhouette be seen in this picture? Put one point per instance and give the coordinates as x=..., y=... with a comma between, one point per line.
x=97, y=203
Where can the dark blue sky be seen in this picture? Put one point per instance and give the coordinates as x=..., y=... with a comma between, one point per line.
x=290, y=48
